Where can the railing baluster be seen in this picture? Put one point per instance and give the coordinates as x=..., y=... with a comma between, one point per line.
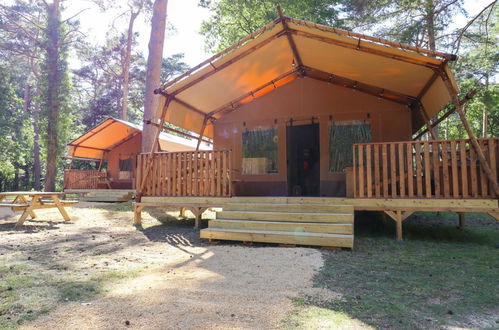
x=402, y=172
x=455, y=173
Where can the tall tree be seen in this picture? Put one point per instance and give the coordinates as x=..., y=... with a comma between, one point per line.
x=55, y=70
x=233, y=20
x=20, y=39
x=131, y=9
x=153, y=73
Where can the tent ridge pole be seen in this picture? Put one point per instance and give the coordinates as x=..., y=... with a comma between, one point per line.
x=289, y=36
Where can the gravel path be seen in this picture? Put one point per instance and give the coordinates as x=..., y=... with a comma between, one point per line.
x=183, y=283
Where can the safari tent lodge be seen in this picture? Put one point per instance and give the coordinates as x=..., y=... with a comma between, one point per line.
x=310, y=123
x=113, y=146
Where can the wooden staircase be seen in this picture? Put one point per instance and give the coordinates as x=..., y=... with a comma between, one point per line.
x=284, y=220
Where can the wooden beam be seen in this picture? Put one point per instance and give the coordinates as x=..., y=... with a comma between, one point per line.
x=220, y=54
x=361, y=87
x=463, y=101
x=166, y=128
x=289, y=36
x=481, y=156
x=227, y=63
x=462, y=220
x=92, y=148
x=205, y=121
x=399, y=217
x=187, y=105
x=427, y=121
x=124, y=140
x=112, y=121
x=232, y=105
x=359, y=48
x=428, y=84
x=450, y=57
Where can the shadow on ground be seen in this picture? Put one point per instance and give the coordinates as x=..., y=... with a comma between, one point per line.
x=438, y=277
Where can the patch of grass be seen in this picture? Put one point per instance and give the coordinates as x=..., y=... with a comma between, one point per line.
x=26, y=292
x=439, y=276
x=117, y=207
x=79, y=290
x=313, y=317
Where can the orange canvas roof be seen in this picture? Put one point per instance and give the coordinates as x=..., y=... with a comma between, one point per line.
x=287, y=49
x=113, y=132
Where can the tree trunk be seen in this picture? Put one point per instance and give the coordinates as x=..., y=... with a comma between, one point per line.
x=485, y=114
x=126, y=65
x=154, y=60
x=37, y=168
x=430, y=29
x=52, y=93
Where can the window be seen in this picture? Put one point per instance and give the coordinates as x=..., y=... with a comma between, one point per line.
x=342, y=136
x=126, y=164
x=260, y=151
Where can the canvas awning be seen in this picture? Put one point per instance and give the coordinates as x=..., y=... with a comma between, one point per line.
x=113, y=132
x=289, y=48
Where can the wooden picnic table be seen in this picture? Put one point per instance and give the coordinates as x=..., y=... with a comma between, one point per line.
x=29, y=201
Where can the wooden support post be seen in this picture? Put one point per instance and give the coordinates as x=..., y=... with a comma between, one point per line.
x=198, y=212
x=137, y=214
x=462, y=220
x=464, y=100
x=399, y=217
x=182, y=212
x=427, y=121
x=205, y=122
x=481, y=156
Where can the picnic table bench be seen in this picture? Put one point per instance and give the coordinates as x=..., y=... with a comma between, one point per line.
x=28, y=201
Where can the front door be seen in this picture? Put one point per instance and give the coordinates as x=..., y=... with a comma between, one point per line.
x=303, y=160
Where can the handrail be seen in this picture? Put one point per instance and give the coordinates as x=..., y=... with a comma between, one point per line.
x=423, y=169
x=189, y=173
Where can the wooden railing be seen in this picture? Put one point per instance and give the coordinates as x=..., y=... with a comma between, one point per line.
x=193, y=173
x=82, y=179
x=423, y=169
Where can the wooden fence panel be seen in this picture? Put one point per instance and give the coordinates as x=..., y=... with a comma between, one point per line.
x=190, y=173
x=83, y=179
x=424, y=169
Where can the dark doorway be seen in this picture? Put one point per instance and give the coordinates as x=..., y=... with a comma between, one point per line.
x=303, y=160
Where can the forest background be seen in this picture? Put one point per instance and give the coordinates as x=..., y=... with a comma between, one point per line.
x=57, y=80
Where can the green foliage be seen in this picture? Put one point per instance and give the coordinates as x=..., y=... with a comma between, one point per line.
x=234, y=20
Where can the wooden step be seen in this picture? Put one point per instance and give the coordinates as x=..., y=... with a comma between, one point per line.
x=321, y=208
x=329, y=228
x=290, y=200
x=106, y=199
x=288, y=216
x=280, y=237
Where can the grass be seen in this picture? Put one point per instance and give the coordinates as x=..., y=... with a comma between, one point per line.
x=439, y=276
x=26, y=293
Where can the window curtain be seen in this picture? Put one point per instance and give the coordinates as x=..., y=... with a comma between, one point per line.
x=260, y=151
x=342, y=137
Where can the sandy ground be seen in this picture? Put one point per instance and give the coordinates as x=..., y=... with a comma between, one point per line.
x=183, y=282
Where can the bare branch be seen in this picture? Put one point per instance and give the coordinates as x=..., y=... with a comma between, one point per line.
x=463, y=30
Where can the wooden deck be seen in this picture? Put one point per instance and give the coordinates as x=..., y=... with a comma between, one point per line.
x=102, y=195
x=305, y=220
